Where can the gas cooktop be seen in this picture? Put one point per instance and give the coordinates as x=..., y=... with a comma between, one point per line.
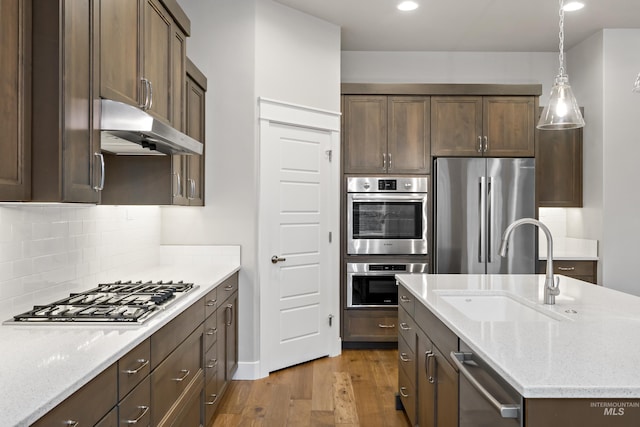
x=111, y=303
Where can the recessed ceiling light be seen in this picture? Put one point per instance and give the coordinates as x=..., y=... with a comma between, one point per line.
x=406, y=6
x=572, y=6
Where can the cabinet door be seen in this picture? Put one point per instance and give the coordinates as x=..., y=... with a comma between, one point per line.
x=195, y=128
x=365, y=134
x=158, y=36
x=231, y=336
x=119, y=38
x=559, y=168
x=509, y=126
x=426, y=382
x=456, y=126
x=409, y=134
x=446, y=392
x=15, y=100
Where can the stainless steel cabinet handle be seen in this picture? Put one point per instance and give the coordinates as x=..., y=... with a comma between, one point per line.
x=404, y=357
x=142, y=362
x=72, y=423
x=405, y=298
x=402, y=392
x=566, y=268
x=145, y=94
x=486, y=144
x=101, y=186
x=179, y=185
x=404, y=326
x=212, y=402
x=192, y=189
x=389, y=168
x=383, y=326
x=384, y=161
x=212, y=363
x=479, y=144
x=431, y=367
x=230, y=287
x=276, y=259
x=211, y=331
x=150, y=95
x=426, y=363
x=230, y=311
x=212, y=303
x=185, y=373
x=144, y=410
x=506, y=410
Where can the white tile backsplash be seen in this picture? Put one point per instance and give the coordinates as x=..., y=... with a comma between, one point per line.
x=48, y=251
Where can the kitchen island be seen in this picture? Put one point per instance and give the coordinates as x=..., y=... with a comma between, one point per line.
x=43, y=364
x=581, y=350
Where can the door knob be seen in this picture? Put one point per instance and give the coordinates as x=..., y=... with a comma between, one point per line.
x=275, y=259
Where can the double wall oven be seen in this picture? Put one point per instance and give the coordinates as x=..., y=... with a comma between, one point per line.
x=386, y=231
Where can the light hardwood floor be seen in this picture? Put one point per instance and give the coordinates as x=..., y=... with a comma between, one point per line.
x=356, y=389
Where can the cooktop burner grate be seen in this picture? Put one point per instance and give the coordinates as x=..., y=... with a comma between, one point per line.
x=115, y=303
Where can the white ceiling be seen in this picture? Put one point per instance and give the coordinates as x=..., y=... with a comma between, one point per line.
x=467, y=25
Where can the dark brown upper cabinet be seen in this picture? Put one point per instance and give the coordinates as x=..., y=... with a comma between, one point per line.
x=386, y=134
x=66, y=160
x=492, y=126
x=15, y=100
x=142, y=55
x=559, y=168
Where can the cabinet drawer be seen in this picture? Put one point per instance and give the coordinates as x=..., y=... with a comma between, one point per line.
x=583, y=270
x=441, y=336
x=406, y=300
x=210, y=302
x=227, y=288
x=407, y=359
x=210, y=331
x=371, y=325
x=172, y=377
x=211, y=362
x=406, y=326
x=109, y=420
x=135, y=408
x=172, y=334
x=212, y=398
x=88, y=405
x=407, y=392
x=133, y=368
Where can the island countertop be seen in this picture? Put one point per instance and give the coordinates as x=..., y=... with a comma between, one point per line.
x=41, y=365
x=584, y=346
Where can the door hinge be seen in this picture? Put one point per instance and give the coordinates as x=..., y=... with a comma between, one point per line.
x=329, y=154
x=330, y=236
x=331, y=320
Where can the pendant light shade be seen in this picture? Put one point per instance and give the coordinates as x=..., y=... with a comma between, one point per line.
x=561, y=111
x=636, y=85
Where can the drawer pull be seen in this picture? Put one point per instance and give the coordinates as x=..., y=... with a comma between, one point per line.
x=213, y=402
x=383, y=326
x=72, y=423
x=186, y=373
x=405, y=327
x=212, y=302
x=404, y=358
x=405, y=298
x=212, y=331
x=566, y=268
x=230, y=287
x=402, y=392
x=212, y=363
x=142, y=362
x=144, y=410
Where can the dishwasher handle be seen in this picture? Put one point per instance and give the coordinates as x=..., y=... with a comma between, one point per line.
x=506, y=410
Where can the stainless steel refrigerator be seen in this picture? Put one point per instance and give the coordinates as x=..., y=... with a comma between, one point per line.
x=475, y=200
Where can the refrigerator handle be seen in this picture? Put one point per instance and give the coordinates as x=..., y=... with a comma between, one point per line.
x=489, y=218
x=483, y=221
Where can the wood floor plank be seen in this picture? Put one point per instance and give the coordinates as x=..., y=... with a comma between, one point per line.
x=322, y=386
x=299, y=413
x=345, y=406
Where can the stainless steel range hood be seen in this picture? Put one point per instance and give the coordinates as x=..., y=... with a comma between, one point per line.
x=127, y=130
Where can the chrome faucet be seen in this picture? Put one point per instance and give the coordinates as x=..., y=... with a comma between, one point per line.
x=551, y=284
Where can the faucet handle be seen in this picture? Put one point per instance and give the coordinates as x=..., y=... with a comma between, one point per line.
x=555, y=290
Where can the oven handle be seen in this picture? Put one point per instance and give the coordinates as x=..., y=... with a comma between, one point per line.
x=381, y=197
x=506, y=410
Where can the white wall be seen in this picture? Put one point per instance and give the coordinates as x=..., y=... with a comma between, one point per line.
x=48, y=251
x=248, y=49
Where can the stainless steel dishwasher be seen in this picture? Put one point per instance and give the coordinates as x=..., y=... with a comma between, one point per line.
x=486, y=400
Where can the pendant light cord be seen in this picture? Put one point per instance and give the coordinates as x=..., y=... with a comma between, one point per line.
x=561, y=71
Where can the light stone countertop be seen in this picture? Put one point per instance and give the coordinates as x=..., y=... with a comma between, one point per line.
x=41, y=365
x=592, y=353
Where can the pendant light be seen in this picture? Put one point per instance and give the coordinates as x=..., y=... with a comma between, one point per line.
x=561, y=111
x=636, y=85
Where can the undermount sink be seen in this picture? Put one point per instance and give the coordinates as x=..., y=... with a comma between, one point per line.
x=497, y=308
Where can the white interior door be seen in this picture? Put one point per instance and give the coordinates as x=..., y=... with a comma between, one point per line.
x=295, y=199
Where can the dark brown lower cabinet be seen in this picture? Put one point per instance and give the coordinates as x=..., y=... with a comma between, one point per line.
x=370, y=325
x=581, y=270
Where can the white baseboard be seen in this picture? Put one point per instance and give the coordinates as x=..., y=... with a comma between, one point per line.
x=248, y=371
